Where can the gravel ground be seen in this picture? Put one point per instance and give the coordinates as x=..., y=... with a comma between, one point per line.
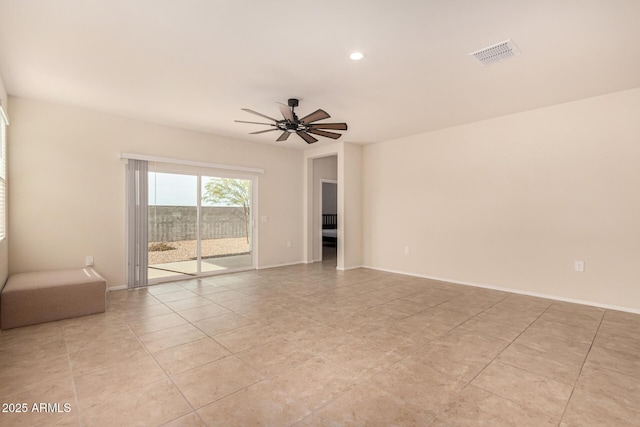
x=186, y=249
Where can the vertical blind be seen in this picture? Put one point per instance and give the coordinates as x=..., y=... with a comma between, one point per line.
x=3, y=174
x=137, y=202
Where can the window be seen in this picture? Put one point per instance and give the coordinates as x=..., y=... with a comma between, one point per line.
x=3, y=174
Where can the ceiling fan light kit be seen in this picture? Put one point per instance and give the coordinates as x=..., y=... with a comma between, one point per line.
x=302, y=127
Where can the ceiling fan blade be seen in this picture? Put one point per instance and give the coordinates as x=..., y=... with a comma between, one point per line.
x=325, y=133
x=308, y=138
x=262, y=131
x=258, y=114
x=286, y=112
x=335, y=126
x=255, y=123
x=315, y=116
x=284, y=136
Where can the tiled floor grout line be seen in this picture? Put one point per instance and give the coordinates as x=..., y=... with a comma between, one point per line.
x=369, y=378
x=584, y=361
x=231, y=353
x=282, y=287
x=156, y=361
x=160, y=366
x=313, y=411
x=498, y=355
x=73, y=379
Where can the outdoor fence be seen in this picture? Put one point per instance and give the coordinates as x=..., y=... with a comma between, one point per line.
x=176, y=223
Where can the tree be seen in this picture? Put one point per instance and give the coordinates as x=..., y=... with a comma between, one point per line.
x=230, y=192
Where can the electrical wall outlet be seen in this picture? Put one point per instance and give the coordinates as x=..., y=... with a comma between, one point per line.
x=406, y=250
x=288, y=243
x=579, y=266
x=88, y=260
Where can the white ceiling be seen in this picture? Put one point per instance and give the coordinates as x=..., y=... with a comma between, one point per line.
x=195, y=63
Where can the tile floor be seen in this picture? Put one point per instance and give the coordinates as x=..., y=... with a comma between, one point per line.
x=311, y=346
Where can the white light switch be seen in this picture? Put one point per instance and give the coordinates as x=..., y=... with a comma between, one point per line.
x=579, y=266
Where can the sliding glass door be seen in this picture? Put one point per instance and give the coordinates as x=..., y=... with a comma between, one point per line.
x=173, y=225
x=226, y=224
x=198, y=224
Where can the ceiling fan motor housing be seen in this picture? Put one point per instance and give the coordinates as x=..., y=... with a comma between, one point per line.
x=291, y=126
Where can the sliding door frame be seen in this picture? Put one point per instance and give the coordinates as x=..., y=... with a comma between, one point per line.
x=199, y=173
x=200, y=169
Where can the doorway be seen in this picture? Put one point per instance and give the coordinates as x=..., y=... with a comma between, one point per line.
x=199, y=224
x=324, y=210
x=329, y=207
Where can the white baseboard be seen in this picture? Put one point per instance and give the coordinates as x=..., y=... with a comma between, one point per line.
x=264, y=267
x=351, y=268
x=117, y=288
x=513, y=291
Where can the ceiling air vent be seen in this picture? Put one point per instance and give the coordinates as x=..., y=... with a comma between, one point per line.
x=496, y=52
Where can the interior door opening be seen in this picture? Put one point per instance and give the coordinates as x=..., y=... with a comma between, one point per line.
x=329, y=205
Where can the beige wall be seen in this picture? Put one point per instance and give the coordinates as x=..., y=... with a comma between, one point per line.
x=4, y=246
x=67, y=195
x=323, y=168
x=512, y=202
x=350, y=204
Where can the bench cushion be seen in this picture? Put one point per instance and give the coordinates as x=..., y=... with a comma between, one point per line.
x=30, y=298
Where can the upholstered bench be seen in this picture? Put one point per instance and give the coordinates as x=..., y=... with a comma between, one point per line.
x=44, y=296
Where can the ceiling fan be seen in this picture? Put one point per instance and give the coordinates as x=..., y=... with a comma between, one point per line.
x=292, y=124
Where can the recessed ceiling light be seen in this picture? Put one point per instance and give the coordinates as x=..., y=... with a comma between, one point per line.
x=356, y=56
